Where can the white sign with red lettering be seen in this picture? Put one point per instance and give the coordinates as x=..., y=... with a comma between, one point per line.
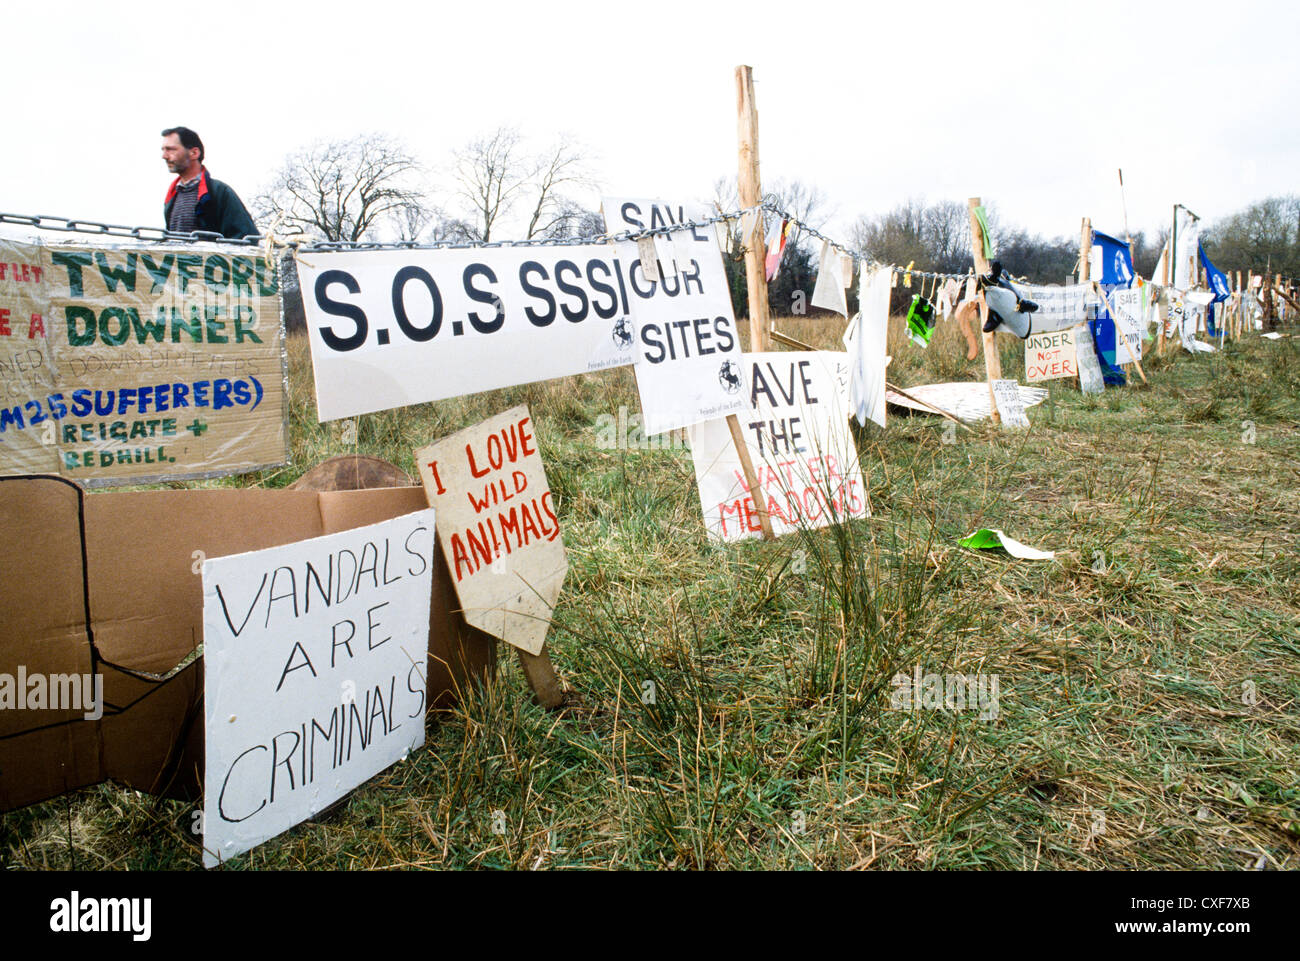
x=497, y=526
x=797, y=431
x=1049, y=356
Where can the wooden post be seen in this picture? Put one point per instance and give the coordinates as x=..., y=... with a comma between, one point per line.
x=1163, y=312
x=992, y=362
x=751, y=476
x=542, y=678
x=1085, y=251
x=751, y=193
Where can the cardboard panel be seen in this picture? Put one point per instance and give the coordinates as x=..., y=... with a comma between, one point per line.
x=146, y=618
x=43, y=632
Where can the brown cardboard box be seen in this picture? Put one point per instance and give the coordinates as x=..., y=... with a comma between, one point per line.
x=107, y=583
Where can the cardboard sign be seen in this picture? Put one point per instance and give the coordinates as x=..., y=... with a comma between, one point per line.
x=389, y=328
x=498, y=527
x=26, y=367
x=798, y=436
x=688, y=361
x=1006, y=394
x=1049, y=356
x=151, y=736
x=314, y=654
x=136, y=365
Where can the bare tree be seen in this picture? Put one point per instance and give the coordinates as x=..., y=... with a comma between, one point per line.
x=806, y=204
x=497, y=175
x=555, y=172
x=491, y=173
x=410, y=222
x=341, y=189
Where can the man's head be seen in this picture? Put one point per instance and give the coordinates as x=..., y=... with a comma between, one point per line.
x=182, y=151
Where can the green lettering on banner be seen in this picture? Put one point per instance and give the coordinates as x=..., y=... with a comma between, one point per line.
x=76, y=338
x=144, y=329
x=73, y=261
x=194, y=327
x=158, y=272
x=115, y=275
x=124, y=328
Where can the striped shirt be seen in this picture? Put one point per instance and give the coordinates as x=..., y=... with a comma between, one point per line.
x=187, y=198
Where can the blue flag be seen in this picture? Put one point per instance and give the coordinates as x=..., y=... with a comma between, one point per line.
x=1116, y=261
x=1116, y=274
x=1218, y=282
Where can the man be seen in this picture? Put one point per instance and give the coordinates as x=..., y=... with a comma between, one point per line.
x=195, y=200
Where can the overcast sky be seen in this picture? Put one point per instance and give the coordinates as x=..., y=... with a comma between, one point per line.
x=1031, y=106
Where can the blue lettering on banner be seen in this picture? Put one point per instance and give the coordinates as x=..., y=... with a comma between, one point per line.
x=218, y=394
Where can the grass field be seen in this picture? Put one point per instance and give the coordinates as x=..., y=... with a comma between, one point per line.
x=1149, y=677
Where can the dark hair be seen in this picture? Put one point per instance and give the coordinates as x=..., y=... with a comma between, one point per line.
x=188, y=138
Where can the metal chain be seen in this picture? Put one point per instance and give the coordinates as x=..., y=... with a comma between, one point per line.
x=48, y=222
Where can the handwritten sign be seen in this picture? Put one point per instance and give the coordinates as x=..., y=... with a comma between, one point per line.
x=497, y=526
x=688, y=360
x=1049, y=356
x=1130, y=318
x=798, y=436
x=314, y=655
x=1006, y=394
x=133, y=365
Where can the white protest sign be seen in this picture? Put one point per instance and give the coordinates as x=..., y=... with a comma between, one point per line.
x=797, y=431
x=314, y=659
x=1006, y=394
x=1128, y=317
x=390, y=328
x=1049, y=356
x=688, y=365
x=1091, y=379
x=497, y=526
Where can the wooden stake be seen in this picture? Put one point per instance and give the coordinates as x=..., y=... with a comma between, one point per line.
x=1085, y=251
x=747, y=465
x=751, y=193
x=1161, y=311
x=992, y=362
x=542, y=677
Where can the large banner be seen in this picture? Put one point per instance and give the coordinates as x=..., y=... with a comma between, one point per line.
x=390, y=328
x=133, y=365
x=797, y=430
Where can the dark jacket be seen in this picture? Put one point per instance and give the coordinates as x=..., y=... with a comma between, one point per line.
x=218, y=208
